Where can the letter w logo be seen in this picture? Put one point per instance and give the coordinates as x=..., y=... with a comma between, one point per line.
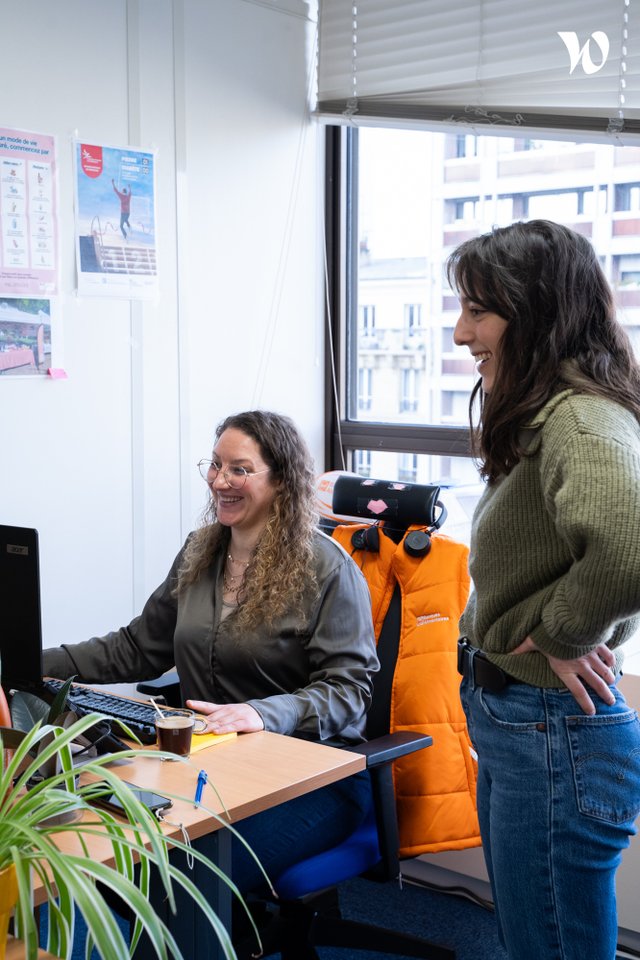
x=571, y=42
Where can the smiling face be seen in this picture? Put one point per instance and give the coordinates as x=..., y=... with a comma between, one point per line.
x=481, y=331
x=245, y=510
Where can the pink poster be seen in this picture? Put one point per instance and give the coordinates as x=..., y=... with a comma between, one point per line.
x=28, y=214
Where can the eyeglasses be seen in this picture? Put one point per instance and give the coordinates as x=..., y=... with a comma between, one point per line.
x=234, y=476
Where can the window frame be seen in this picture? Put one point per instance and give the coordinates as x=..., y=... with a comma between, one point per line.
x=344, y=434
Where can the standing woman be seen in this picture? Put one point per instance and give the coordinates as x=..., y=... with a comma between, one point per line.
x=268, y=622
x=555, y=563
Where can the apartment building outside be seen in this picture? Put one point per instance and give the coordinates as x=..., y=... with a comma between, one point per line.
x=453, y=187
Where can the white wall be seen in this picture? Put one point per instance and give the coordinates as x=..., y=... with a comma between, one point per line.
x=103, y=463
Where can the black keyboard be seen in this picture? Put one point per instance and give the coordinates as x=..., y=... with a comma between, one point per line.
x=139, y=717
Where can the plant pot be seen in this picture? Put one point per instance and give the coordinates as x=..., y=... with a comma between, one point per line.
x=8, y=900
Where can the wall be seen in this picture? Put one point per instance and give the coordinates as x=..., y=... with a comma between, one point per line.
x=103, y=463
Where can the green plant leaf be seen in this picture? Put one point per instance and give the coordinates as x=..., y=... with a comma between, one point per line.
x=59, y=701
x=27, y=710
x=30, y=827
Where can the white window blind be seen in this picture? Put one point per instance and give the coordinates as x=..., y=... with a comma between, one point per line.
x=543, y=64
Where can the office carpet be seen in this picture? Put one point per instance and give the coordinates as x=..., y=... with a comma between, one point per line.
x=467, y=927
x=452, y=920
x=439, y=917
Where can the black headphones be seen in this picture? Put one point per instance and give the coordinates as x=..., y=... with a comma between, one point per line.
x=367, y=538
x=416, y=544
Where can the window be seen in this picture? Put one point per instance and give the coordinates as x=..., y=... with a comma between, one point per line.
x=627, y=196
x=454, y=406
x=409, y=391
x=403, y=201
x=464, y=208
x=466, y=146
x=367, y=319
x=365, y=381
x=363, y=463
x=626, y=270
x=565, y=205
x=413, y=318
x=408, y=467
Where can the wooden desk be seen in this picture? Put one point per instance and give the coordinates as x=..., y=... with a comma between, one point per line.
x=251, y=772
x=15, y=951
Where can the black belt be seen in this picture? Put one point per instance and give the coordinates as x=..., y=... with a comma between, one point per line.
x=485, y=673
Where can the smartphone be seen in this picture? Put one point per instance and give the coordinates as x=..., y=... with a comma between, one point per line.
x=153, y=801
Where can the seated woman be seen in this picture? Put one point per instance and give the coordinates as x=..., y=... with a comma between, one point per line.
x=268, y=622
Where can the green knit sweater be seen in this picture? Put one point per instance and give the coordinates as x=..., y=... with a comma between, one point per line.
x=555, y=545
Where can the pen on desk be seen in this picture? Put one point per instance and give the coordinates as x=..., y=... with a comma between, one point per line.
x=202, y=779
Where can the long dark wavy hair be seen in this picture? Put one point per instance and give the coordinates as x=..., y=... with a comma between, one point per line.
x=280, y=571
x=546, y=281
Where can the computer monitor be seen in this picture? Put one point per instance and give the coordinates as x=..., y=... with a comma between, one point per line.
x=20, y=623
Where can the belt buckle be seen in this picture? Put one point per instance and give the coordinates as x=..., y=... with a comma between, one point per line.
x=485, y=673
x=463, y=656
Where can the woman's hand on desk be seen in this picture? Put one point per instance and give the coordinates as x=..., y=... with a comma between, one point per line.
x=228, y=717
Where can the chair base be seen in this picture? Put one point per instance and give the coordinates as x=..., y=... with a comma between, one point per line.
x=297, y=927
x=328, y=931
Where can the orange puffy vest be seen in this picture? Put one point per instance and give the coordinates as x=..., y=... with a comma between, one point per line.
x=435, y=788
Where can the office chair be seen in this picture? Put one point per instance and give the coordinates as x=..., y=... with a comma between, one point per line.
x=308, y=912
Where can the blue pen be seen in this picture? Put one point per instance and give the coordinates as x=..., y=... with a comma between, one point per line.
x=202, y=779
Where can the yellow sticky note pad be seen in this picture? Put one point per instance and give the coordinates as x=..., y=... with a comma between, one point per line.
x=200, y=741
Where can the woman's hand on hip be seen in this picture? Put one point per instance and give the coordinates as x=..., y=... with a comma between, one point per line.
x=228, y=717
x=594, y=670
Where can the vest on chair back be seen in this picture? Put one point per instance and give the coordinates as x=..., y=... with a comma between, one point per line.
x=435, y=788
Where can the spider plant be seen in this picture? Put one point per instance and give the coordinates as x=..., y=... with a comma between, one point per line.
x=37, y=809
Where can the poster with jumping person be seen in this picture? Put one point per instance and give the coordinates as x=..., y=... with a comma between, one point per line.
x=115, y=221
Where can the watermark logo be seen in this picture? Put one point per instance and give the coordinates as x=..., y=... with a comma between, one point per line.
x=583, y=55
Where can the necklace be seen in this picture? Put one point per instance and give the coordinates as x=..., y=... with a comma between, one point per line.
x=229, y=586
x=241, y=563
x=229, y=579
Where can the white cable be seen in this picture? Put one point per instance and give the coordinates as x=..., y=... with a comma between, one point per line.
x=185, y=836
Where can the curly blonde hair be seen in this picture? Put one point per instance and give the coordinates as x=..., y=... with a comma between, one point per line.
x=281, y=571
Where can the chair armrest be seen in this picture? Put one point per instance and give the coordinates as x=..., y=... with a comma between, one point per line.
x=393, y=745
x=380, y=754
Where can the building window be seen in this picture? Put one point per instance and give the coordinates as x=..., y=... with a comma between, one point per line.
x=365, y=388
x=408, y=468
x=363, y=463
x=557, y=205
x=367, y=319
x=466, y=146
x=627, y=197
x=454, y=405
x=626, y=270
x=413, y=318
x=462, y=209
x=409, y=391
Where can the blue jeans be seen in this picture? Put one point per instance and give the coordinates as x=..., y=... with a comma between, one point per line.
x=558, y=793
